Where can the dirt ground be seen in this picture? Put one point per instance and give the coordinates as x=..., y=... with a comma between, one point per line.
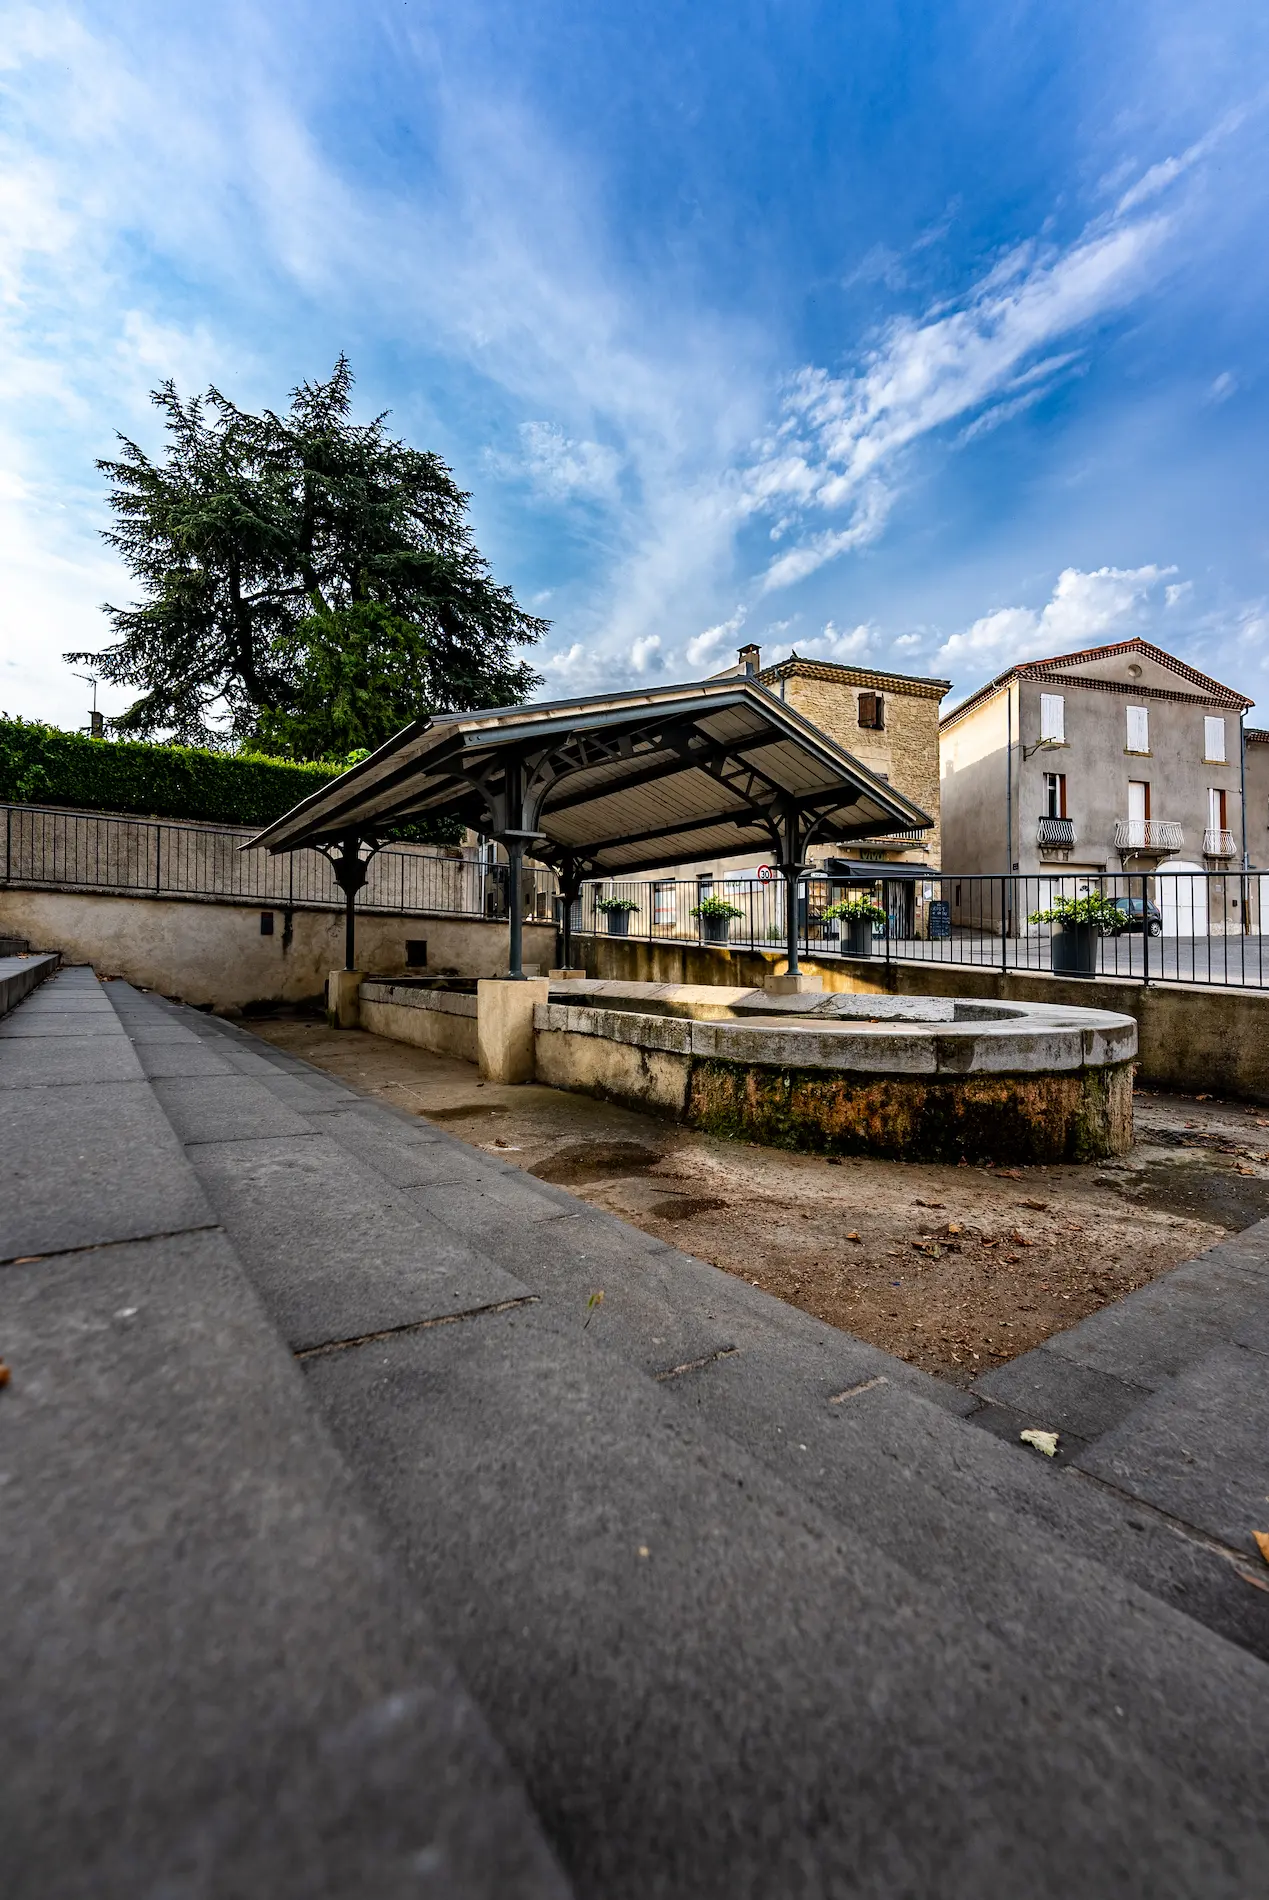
x=955, y=1269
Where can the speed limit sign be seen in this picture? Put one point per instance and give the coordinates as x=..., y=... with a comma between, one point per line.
x=765, y=873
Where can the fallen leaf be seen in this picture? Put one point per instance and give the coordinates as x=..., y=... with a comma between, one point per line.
x=1020, y=1240
x=1008, y=1174
x=1041, y=1207
x=1261, y=1537
x=1202, y=1098
x=953, y=1227
x=4, y=1380
x=920, y=1203
x=1047, y=1442
x=852, y=1235
x=596, y=1300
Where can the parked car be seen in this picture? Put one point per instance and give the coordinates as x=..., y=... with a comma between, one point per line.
x=1132, y=909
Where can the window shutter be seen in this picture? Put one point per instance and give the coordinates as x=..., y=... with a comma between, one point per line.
x=879, y=712
x=1214, y=740
x=1052, y=716
x=1138, y=729
x=868, y=710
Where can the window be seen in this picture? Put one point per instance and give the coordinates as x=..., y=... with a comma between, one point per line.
x=1214, y=740
x=1138, y=739
x=664, y=902
x=1215, y=808
x=1138, y=800
x=872, y=712
x=1054, y=795
x=1053, y=717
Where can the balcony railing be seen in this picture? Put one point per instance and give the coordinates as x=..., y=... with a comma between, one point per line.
x=1218, y=843
x=1055, y=834
x=1159, y=835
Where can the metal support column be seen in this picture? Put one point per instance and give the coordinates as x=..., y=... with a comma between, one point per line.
x=791, y=869
x=570, y=891
x=351, y=871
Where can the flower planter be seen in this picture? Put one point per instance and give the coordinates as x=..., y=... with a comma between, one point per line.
x=857, y=936
x=716, y=929
x=1074, y=950
x=618, y=923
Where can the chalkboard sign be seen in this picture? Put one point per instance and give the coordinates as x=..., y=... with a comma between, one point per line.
x=940, y=918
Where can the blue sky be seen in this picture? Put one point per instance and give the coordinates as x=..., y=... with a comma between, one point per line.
x=925, y=335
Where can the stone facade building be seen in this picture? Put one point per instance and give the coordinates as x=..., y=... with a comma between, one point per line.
x=1118, y=758
x=888, y=721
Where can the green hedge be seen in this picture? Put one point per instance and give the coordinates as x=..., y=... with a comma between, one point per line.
x=41, y=766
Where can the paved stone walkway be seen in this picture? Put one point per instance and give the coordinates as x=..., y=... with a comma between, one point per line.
x=345, y=1557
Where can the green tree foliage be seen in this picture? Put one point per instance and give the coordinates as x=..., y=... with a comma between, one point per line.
x=308, y=583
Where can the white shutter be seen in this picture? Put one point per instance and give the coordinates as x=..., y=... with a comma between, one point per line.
x=1052, y=716
x=1213, y=808
x=1138, y=729
x=1214, y=739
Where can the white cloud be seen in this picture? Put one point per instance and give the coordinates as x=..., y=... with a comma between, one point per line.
x=1223, y=387
x=560, y=466
x=1086, y=609
x=841, y=443
x=708, y=648
x=844, y=645
x=1177, y=592
x=1159, y=177
x=645, y=653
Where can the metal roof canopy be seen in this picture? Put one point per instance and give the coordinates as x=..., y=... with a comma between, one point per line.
x=608, y=786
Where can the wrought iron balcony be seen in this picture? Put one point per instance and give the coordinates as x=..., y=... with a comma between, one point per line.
x=1219, y=843
x=1055, y=834
x=1154, y=837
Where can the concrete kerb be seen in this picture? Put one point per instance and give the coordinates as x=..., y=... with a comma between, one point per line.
x=19, y=976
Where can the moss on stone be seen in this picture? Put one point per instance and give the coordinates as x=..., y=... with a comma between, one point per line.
x=1081, y=1116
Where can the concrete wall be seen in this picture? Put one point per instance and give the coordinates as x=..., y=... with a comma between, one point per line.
x=1196, y=1040
x=429, y=1019
x=214, y=952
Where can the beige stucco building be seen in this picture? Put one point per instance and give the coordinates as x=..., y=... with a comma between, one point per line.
x=1119, y=758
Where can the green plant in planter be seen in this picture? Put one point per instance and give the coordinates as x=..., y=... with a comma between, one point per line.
x=616, y=903
x=856, y=910
x=1096, y=909
x=716, y=907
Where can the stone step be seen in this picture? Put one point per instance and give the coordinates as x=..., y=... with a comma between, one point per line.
x=217, y=1678
x=496, y=1449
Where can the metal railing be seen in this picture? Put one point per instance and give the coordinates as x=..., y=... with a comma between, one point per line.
x=1148, y=834
x=1055, y=834
x=1177, y=927
x=1219, y=843
x=49, y=848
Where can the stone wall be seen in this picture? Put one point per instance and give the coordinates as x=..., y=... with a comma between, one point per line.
x=214, y=953
x=906, y=753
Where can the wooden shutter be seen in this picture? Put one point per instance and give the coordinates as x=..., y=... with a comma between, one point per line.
x=868, y=710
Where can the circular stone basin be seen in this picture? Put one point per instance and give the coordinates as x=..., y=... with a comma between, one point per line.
x=922, y=1078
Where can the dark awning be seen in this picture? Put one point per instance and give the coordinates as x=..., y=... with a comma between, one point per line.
x=618, y=784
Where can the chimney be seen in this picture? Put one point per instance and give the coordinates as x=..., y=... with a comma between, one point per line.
x=750, y=658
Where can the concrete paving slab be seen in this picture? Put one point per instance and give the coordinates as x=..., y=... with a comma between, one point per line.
x=1058, y=1394
x=334, y=1251
x=1199, y=1449
x=710, y=1687
x=185, y=1058
x=1148, y=1337
x=224, y=1107
x=45, y=1061
x=64, y=1022
x=88, y=1163
x=998, y=1535
x=217, y=1681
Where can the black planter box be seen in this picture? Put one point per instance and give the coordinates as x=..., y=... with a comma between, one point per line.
x=857, y=936
x=618, y=923
x=716, y=929
x=1074, y=950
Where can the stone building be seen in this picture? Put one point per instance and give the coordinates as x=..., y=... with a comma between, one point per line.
x=1118, y=758
x=888, y=721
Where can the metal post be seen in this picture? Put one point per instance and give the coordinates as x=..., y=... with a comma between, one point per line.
x=158, y=859
x=351, y=872
x=1004, y=926
x=515, y=909
x=570, y=890
x=1145, y=928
